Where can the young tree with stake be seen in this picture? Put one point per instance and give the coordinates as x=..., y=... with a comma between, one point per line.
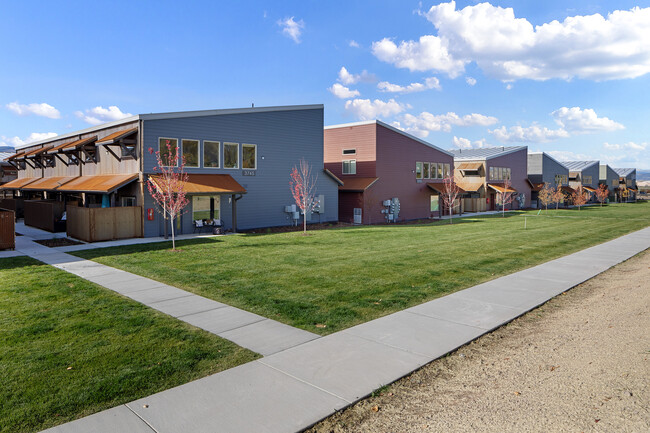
x=507, y=196
x=167, y=186
x=450, y=194
x=302, y=184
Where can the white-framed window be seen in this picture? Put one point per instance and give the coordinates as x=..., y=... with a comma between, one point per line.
x=447, y=169
x=349, y=151
x=167, y=153
x=440, y=170
x=230, y=155
x=586, y=180
x=190, y=150
x=425, y=170
x=433, y=170
x=418, y=170
x=211, y=152
x=249, y=156
x=435, y=202
x=349, y=166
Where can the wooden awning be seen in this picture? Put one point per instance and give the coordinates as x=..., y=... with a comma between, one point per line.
x=36, y=152
x=567, y=189
x=357, y=184
x=19, y=183
x=48, y=183
x=100, y=184
x=501, y=188
x=535, y=187
x=116, y=136
x=588, y=188
x=207, y=184
x=14, y=156
x=440, y=187
x=470, y=186
x=473, y=166
x=65, y=147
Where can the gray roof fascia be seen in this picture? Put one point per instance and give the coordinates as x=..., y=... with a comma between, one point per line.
x=221, y=112
x=392, y=128
x=485, y=158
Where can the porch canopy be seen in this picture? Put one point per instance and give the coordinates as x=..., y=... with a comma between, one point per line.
x=206, y=184
x=588, y=188
x=464, y=167
x=72, y=145
x=501, y=188
x=48, y=183
x=440, y=188
x=535, y=187
x=568, y=189
x=19, y=183
x=472, y=187
x=99, y=184
x=357, y=184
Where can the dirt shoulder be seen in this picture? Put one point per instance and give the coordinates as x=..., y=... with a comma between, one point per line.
x=581, y=362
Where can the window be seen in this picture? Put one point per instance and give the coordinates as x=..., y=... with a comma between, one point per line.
x=508, y=173
x=435, y=203
x=349, y=151
x=168, y=148
x=425, y=171
x=127, y=201
x=205, y=207
x=249, y=156
x=211, y=154
x=190, y=152
x=586, y=180
x=440, y=170
x=434, y=170
x=230, y=155
x=492, y=173
x=418, y=170
x=350, y=166
x=447, y=169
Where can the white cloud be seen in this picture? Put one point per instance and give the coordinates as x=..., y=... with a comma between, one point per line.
x=508, y=86
x=354, y=44
x=34, y=136
x=576, y=119
x=530, y=134
x=505, y=47
x=429, y=83
x=427, y=54
x=340, y=91
x=422, y=124
x=365, y=109
x=291, y=28
x=630, y=145
x=347, y=78
x=98, y=115
x=471, y=81
x=42, y=109
x=464, y=143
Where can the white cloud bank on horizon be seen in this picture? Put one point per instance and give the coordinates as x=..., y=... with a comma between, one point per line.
x=31, y=138
x=464, y=143
x=42, y=109
x=98, y=115
x=425, y=122
x=365, y=109
x=507, y=48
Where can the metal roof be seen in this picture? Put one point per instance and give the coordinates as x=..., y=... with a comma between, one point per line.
x=624, y=171
x=485, y=152
x=546, y=155
x=5, y=155
x=579, y=165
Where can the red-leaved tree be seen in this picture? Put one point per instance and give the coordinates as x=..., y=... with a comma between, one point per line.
x=167, y=186
x=507, y=196
x=579, y=197
x=302, y=184
x=545, y=196
x=557, y=196
x=602, y=193
x=449, y=194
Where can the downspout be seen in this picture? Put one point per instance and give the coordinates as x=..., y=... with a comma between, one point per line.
x=235, y=199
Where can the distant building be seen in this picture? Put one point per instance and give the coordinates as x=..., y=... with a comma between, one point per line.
x=627, y=183
x=585, y=174
x=7, y=171
x=609, y=178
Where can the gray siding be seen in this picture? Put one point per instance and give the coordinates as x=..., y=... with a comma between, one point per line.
x=552, y=168
x=535, y=167
x=594, y=172
x=282, y=138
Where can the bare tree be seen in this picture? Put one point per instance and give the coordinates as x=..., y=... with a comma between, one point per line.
x=167, y=186
x=507, y=196
x=302, y=184
x=450, y=194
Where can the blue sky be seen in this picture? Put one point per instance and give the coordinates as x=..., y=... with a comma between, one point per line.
x=571, y=81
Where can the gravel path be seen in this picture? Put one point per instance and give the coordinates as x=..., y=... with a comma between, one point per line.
x=579, y=363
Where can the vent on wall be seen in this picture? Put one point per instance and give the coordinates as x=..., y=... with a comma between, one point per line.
x=349, y=151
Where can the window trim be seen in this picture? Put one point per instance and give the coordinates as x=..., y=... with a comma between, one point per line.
x=242, y=156
x=421, y=170
x=224, y=155
x=218, y=154
x=160, y=152
x=198, y=151
x=348, y=161
x=428, y=170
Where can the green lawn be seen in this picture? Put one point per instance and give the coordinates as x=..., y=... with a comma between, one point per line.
x=69, y=348
x=342, y=277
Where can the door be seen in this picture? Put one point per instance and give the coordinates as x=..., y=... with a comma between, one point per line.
x=357, y=215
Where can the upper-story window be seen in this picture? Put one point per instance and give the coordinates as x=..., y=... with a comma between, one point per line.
x=249, y=156
x=211, y=154
x=190, y=152
x=168, y=148
x=500, y=173
x=586, y=180
x=425, y=170
x=447, y=169
x=349, y=166
x=230, y=155
x=349, y=151
x=418, y=170
x=561, y=179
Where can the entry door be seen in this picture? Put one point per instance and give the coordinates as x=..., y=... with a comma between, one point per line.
x=357, y=215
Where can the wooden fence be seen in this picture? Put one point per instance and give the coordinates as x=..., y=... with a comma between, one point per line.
x=45, y=215
x=104, y=224
x=7, y=229
x=474, y=205
x=14, y=204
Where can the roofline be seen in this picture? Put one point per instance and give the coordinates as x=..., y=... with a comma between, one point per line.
x=174, y=115
x=485, y=158
x=586, y=166
x=549, y=156
x=392, y=128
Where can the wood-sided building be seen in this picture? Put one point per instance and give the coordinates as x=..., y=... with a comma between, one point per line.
x=386, y=174
x=238, y=163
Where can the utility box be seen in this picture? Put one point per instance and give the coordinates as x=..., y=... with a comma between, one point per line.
x=321, y=204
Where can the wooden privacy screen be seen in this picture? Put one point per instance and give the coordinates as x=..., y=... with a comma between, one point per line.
x=474, y=204
x=45, y=215
x=104, y=224
x=7, y=229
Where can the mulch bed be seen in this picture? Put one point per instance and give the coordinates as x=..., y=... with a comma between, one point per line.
x=58, y=242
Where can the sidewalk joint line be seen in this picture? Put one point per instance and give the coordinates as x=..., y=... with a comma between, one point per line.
x=142, y=419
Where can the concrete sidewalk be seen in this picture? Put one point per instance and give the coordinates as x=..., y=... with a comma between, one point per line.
x=293, y=389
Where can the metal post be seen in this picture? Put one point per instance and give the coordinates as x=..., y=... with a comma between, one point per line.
x=234, y=213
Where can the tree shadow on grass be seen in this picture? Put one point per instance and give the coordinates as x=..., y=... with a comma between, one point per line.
x=7, y=263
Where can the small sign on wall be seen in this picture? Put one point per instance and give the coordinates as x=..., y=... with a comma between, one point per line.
x=248, y=172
